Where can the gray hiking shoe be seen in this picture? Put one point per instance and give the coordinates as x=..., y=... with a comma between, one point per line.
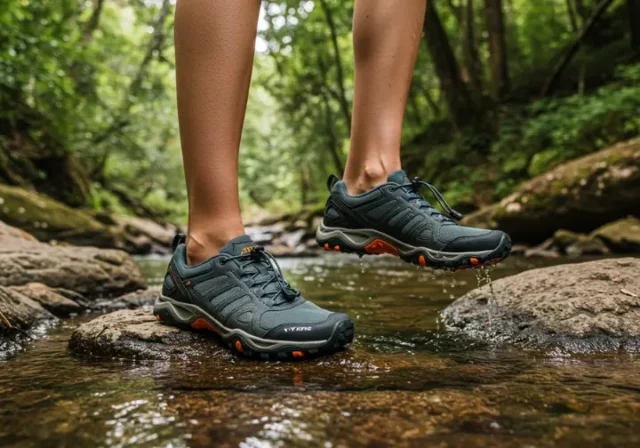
x=394, y=218
x=240, y=295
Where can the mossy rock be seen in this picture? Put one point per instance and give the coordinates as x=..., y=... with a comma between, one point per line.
x=48, y=219
x=579, y=195
x=622, y=236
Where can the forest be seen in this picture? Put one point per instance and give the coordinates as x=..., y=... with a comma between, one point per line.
x=503, y=91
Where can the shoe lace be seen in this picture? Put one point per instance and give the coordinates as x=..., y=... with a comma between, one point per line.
x=414, y=187
x=259, y=255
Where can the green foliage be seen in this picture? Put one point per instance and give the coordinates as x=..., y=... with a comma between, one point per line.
x=103, y=93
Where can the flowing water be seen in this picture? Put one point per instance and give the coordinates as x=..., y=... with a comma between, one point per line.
x=405, y=382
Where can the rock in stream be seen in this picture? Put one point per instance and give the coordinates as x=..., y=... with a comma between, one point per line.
x=583, y=308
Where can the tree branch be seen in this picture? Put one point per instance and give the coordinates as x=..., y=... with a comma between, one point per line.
x=574, y=47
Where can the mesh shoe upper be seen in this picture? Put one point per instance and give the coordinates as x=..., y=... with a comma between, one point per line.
x=243, y=288
x=397, y=209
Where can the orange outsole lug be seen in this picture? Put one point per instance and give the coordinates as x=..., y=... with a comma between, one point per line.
x=297, y=354
x=422, y=261
x=336, y=248
x=201, y=324
x=158, y=318
x=239, y=346
x=326, y=246
x=474, y=261
x=379, y=246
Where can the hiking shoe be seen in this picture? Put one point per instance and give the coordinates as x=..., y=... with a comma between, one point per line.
x=241, y=295
x=394, y=218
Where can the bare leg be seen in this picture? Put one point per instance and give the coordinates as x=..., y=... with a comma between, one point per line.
x=215, y=43
x=386, y=36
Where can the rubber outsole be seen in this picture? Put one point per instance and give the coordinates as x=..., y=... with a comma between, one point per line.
x=371, y=242
x=191, y=317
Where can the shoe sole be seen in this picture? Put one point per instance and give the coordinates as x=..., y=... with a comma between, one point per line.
x=191, y=317
x=373, y=242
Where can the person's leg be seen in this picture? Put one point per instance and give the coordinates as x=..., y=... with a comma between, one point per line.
x=215, y=43
x=386, y=36
x=394, y=219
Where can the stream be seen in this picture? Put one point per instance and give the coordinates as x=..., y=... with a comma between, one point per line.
x=413, y=383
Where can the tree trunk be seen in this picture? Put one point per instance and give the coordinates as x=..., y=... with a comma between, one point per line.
x=573, y=20
x=331, y=136
x=461, y=108
x=470, y=51
x=633, y=7
x=93, y=23
x=497, y=48
x=575, y=46
x=344, y=103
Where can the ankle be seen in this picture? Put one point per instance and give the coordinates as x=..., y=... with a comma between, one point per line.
x=202, y=245
x=366, y=179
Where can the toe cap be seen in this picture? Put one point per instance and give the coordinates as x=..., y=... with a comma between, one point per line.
x=311, y=332
x=488, y=241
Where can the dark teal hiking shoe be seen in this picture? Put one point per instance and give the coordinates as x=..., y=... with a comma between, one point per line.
x=240, y=295
x=394, y=218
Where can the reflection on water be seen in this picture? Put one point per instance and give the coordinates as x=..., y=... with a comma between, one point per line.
x=406, y=381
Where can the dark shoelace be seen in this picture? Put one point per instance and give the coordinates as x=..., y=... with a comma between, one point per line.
x=258, y=254
x=413, y=188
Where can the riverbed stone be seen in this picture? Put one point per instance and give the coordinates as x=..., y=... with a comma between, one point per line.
x=88, y=271
x=579, y=195
x=584, y=307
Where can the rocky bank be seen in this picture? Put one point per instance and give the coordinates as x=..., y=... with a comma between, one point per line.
x=583, y=308
x=41, y=282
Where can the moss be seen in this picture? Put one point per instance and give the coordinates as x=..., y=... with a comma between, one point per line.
x=48, y=219
x=570, y=196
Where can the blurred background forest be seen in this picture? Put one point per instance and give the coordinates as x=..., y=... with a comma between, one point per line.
x=503, y=91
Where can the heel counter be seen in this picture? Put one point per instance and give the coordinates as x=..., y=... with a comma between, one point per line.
x=171, y=286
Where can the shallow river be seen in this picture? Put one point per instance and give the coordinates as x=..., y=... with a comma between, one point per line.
x=405, y=382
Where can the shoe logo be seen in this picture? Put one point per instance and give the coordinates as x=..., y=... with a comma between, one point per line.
x=247, y=249
x=290, y=329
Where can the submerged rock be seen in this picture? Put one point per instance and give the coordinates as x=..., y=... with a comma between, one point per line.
x=88, y=271
x=137, y=335
x=584, y=307
x=579, y=195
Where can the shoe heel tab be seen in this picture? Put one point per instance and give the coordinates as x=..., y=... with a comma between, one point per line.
x=178, y=239
x=332, y=180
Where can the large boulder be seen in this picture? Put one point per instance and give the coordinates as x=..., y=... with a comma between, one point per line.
x=48, y=219
x=585, y=307
x=88, y=271
x=621, y=236
x=579, y=195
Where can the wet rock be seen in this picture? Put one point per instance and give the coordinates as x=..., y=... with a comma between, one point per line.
x=136, y=334
x=21, y=319
x=579, y=195
x=17, y=311
x=621, y=236
x=585, y=307
x=51, y=300
x=88, y=271
x=587, y=246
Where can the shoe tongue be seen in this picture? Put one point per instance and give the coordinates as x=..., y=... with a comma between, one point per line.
x=399, y=177
x=238, y=245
